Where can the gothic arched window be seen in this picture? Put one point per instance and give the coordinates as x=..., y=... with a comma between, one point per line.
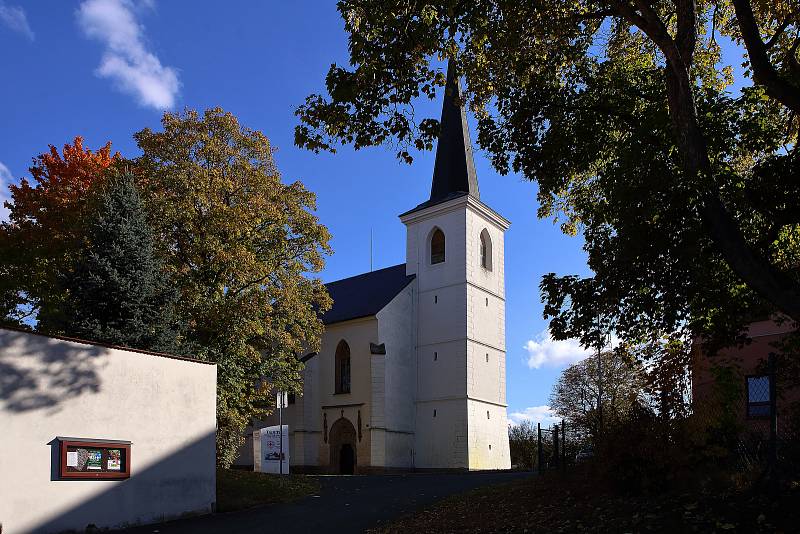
x=343, y=367
x=486, y=250
x=437, y=247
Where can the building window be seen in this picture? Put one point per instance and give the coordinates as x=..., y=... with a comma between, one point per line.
x=437, y=247
x=435, y=356
x=434, y=413
x=758, y=396
x=343, y=367
x=486, y=250
x=291, y=398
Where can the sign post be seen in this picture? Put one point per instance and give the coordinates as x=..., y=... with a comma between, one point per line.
x=281, y=405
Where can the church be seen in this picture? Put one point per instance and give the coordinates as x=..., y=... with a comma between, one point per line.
x=412, y=373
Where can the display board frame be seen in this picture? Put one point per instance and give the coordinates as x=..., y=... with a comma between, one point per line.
x=105, y=458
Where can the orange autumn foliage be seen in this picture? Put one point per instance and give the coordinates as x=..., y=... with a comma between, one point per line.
x=46, y=222
x=55, y=204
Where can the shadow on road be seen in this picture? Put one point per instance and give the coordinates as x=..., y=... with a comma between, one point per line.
x=345, y=504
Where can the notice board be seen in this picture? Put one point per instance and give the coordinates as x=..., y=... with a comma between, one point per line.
x=94, y=458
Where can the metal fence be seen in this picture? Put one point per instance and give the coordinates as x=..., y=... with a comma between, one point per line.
x=559, y=446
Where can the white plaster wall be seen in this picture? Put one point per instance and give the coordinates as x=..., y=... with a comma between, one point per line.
x=446, y=375
x=488, y=436
x=486, y=357
x=451, y=219
x=486, y=380
x=462, y=319
x=486, y=318
x=166, y=407
x=442, y=314
x=441, y=440
x=492, y=280
x=310, y=434
x=358, y=334
x=394, y=395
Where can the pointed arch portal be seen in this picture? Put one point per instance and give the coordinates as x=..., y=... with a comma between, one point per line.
x=342, y=442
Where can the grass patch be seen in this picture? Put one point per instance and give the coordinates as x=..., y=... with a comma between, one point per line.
x=238, y=489
x=576, y=502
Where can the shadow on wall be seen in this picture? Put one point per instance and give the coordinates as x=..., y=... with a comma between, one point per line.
x=181, y=484
x=54, y=371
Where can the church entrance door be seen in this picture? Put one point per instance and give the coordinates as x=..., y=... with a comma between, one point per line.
x=347, y=460
x=342, y=443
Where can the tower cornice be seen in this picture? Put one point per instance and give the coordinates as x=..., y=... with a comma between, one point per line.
x=422, y=212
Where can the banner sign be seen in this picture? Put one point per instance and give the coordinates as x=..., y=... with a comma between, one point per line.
x=269, y=452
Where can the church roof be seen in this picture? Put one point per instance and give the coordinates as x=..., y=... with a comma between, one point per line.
x=454, y=170
x=366, y=294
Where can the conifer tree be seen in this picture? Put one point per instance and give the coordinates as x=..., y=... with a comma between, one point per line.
x=118, y=292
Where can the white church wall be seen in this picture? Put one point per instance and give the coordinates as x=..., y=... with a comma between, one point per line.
x=307, y=429
x=441, y=434
x=486, y=373
x=358, y=334
x=486, y=318
x=492, y=280
x=442, y=314
x=442, y=372
x=488, y=436
x=486, y=358
x=450, y=218
x=397, y=393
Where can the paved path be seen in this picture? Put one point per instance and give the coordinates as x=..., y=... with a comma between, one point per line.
x=345, y=504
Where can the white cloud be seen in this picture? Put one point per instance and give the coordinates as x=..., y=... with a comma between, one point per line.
x=535, y=414
x=545, y=351
x=126, y=59
x=14, y=17
x=5, y=180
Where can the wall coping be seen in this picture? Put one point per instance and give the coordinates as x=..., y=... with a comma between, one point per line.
x=107, y=346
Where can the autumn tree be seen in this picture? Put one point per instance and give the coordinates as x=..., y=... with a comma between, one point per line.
x=522, y=443
x=620, y=110
x=600, y=393
x=117, y=291
x=238, y=243
x=45, y=230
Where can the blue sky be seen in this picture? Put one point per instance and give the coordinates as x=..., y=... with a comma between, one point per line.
x=104, y=69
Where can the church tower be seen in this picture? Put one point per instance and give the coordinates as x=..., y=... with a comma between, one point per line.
x=454, y=247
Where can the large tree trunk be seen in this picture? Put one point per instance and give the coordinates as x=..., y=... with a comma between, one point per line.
x=748, y=264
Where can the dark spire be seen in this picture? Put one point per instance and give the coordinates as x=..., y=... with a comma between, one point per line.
x=454, y=171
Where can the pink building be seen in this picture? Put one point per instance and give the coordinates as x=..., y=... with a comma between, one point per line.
x=749, y=371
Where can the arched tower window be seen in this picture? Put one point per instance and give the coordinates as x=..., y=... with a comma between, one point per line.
x=486, y=250
x=437, y=247
x=343, y=367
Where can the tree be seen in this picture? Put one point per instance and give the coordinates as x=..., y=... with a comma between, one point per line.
x=239, y=244
x=45, y=230
x=617, y=381
x=118, y=292
x=686, y=194
x=522, y=441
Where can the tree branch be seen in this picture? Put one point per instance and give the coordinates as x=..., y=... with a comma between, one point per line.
x=764, y=72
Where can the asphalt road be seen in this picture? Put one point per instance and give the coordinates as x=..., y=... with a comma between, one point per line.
x=345, y=504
